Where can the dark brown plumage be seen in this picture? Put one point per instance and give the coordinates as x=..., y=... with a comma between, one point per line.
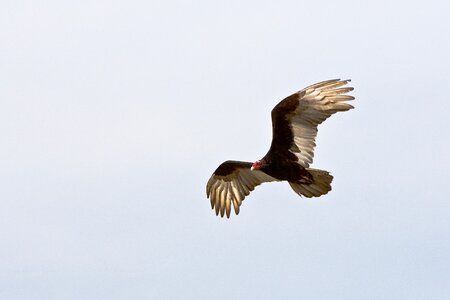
x=294, y=129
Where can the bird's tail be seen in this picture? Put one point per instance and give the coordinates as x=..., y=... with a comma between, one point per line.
x=320, y=185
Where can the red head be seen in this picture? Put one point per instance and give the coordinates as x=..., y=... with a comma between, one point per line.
x=258, y=165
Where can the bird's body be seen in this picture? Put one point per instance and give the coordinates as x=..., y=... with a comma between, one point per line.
x=284, y=169
x=294, y=125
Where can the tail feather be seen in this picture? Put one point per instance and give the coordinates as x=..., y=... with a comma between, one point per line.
x=320, y=185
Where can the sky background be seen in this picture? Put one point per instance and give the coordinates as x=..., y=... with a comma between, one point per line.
x=114, y=114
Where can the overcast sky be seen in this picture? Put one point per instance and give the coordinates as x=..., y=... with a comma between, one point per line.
x=113, y=115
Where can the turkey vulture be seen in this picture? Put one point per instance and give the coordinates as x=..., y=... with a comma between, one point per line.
x=294, y=129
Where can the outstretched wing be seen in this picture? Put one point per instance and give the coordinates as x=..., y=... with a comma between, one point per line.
x=230, y=183
x=295, y=119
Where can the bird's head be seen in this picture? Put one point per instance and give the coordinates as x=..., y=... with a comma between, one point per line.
x=258, y=165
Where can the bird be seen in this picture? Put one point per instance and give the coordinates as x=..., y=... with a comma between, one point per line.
x=294, y=129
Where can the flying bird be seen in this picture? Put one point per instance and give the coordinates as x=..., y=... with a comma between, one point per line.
x=294, y=129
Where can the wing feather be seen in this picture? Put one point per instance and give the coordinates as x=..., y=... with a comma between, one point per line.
x=231, y=183
x=295, y=119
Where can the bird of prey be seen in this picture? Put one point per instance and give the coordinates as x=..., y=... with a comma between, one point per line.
x=294, y=129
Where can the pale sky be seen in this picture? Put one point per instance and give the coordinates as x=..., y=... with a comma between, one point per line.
x=114, y=114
